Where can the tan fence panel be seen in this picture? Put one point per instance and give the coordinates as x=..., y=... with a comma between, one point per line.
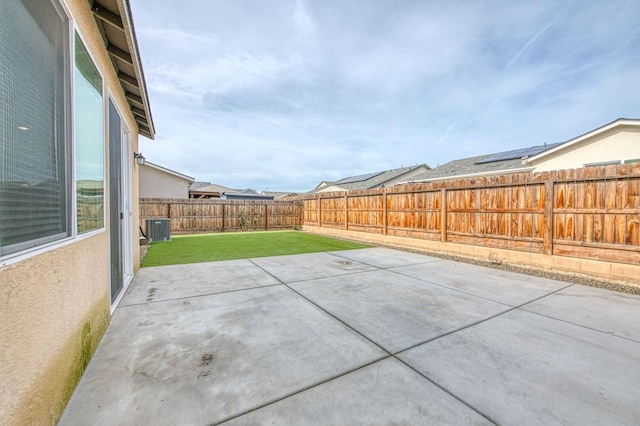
x=597, y=212
x=591, y=213
x=208, y=216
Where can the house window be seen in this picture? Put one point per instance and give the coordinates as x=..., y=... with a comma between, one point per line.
x=89, y=141
x=34, y=99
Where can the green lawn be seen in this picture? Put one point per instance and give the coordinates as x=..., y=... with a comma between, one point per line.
x=241, y=245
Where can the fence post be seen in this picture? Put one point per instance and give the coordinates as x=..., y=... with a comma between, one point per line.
x=547, y=245
x=346, y=212
x=222, y=230
x=443, y=215
x=384, y=212
x=319, y=212
x=266, y=217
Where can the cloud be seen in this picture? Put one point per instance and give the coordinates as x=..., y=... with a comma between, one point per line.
x=291, y=92
x=304, y=23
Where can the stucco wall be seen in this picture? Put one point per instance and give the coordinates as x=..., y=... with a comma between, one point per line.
x=622, y=143
x=55, y=308
x=155, y=183
x=55, y=302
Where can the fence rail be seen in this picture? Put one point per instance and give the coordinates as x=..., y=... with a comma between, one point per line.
x=189, y=216
x=591, y=213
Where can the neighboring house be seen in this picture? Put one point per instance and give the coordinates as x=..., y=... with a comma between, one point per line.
x=614, y=143
x=371, y=180
x=505, y=162
x=203, y=190
x=160, y=182
x=73, y=104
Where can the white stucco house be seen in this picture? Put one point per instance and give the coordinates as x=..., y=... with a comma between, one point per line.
x=617, y=142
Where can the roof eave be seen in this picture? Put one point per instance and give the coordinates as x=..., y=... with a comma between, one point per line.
x=169, y=171
x=104, y=13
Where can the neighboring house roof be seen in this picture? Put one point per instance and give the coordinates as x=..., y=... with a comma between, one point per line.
x=571, y=142
x=245, y=196
x=211, y=189
x=366, y=181
x=169, y=171
x=514, y=161
x=197, y=185
x=278, y=194
x=113, y=18
x=488, y=164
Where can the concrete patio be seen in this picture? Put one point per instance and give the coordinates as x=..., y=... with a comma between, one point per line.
x=371, y=336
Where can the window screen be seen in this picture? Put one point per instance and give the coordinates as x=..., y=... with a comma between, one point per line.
x=34, y=95
x=89, y=140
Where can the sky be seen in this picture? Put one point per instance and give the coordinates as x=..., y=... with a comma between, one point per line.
x=280, y=95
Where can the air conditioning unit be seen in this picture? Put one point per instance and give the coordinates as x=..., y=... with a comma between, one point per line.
x=159, y=230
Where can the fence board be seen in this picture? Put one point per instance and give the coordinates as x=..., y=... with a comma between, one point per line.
x=592, y=213
x=205, y=216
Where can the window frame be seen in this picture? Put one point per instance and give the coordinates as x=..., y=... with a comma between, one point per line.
x=54, y=242
x=81, y=235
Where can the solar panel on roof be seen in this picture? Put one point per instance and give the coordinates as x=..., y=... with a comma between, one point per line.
x=516, y=153
x=358, y=178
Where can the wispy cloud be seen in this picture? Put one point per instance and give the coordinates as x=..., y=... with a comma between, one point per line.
x=289, y=93
x=304, y=23
x=566, y=6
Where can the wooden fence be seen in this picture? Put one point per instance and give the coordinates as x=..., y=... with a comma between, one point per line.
x=588, y=213
x=189, y=216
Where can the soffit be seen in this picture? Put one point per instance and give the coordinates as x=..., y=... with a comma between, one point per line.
x=113, y=18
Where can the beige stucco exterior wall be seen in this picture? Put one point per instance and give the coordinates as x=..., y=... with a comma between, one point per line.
x=620, y=143
x=56, y=301
x=55, y=308
x=155, y=183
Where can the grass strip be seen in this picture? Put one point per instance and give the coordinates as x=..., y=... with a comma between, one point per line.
x=240, y=245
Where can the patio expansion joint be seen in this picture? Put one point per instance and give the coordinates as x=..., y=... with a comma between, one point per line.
x=390, y=355
x=582, y=326
x=453, y=395
x=475, y=295
x=473, y=324
x=327, y=312
x=195, y=296
x=345, y=274
x=301, y=390
x=396, y=354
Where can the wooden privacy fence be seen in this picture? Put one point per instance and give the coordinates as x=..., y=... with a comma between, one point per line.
x=589, y=213
x=189, y=216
